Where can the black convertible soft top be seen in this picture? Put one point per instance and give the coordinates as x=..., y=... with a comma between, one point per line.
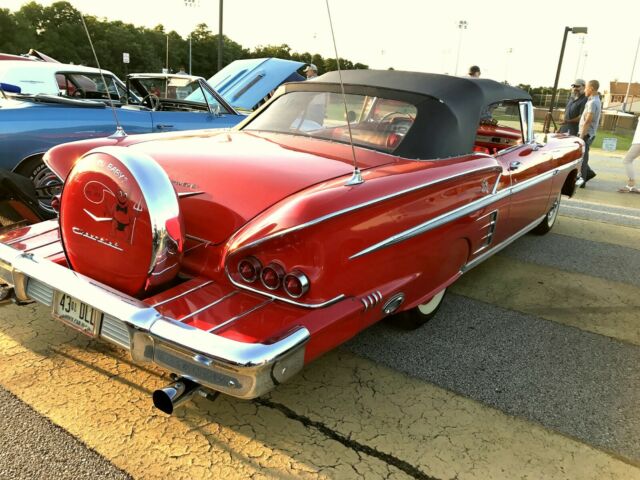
x=449, y=108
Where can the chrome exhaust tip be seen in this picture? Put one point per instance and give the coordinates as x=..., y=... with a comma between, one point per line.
x=172, y=396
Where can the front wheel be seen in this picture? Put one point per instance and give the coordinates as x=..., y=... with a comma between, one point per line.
x=549, y=220
x=418, y=316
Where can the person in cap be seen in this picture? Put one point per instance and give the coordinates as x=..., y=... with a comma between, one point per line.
x=474, y=71
x=575, y=107
x=311, y=71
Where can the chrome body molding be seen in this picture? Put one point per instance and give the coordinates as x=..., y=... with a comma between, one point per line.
x=462, y=211
x=353, y=208
x=244, y=370
x=282, y=298
x=151, y=179
x=432, y=223
x=481, y=258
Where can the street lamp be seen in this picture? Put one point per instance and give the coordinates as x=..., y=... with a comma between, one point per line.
x=506, y=65
x=626, y=96
x=549, y=117
x=462, y=25
x=579, y=56
x=191, y=3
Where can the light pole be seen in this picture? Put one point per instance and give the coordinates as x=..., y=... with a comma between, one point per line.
x=462, y=25
x=194, y=4
x=579, y=56
x=220, y=40
x=626, y=96
x=506, y=65
x=549, y=116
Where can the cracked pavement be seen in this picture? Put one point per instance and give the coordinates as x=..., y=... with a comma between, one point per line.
x=447, y=401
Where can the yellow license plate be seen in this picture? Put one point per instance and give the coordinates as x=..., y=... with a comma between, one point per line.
x=77, y=314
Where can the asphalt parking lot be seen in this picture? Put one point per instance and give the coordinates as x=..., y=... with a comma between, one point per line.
x=530, y=370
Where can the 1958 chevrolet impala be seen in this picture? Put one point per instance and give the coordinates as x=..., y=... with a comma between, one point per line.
x=233, y=259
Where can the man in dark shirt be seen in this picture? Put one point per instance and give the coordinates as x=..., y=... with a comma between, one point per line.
x=574, y=109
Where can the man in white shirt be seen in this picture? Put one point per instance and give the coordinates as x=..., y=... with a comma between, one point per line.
x=632, y=154
x=588, y=127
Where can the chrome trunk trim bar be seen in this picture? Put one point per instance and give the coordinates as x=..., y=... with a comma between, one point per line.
x=206, y=307
x=238, y=317
x=191, y=290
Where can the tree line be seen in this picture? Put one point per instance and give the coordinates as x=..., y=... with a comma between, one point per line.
x=57, y=31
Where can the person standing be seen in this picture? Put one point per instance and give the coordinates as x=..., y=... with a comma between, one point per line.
x=575, y=107
x=588, y=127
x=632, y=154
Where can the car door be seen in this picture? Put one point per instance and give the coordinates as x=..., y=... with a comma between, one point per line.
x=527, y=166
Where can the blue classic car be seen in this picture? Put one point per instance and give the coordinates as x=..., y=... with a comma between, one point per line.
x=60, y=103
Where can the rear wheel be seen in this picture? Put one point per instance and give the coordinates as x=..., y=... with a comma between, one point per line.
x=418, y=316
x=549, y=220
x=46, y=183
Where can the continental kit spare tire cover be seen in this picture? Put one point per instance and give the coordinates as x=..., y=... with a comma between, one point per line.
x=120, y=220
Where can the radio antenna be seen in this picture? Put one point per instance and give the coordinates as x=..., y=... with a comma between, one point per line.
x=119, y=133
x=356, y=178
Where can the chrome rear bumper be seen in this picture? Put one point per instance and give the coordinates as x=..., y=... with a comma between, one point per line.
x=239, y=369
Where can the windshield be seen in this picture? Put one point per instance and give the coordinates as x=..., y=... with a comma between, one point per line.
x=90, y=85
x=375, y=122
x=173, y=88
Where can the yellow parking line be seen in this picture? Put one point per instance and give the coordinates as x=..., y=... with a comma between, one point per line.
x=602, y=232
x=385, y=423
x=631, y=200
x=589, y=303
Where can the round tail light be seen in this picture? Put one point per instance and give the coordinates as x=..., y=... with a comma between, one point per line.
x=249, y=269
x=271, y=276
x=296, y=284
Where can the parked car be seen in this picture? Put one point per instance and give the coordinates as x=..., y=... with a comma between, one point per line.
x=233, y=259
x=61, y=103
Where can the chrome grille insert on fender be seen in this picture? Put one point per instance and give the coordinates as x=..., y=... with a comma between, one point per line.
x=371, y=300
x=488, y=227
x=115, y=331
x=40, y=292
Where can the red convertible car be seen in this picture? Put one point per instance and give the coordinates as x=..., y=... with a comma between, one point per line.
x=232, y=259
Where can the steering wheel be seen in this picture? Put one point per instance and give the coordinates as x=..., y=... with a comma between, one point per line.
x=152, y=101
x=395, y=115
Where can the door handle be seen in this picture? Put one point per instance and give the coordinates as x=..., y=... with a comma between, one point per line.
x=162, y=126
x=514, y=165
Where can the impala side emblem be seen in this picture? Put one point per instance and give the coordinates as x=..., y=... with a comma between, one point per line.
x=484, y=187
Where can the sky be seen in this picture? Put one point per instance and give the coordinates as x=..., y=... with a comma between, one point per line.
x=508, y=40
